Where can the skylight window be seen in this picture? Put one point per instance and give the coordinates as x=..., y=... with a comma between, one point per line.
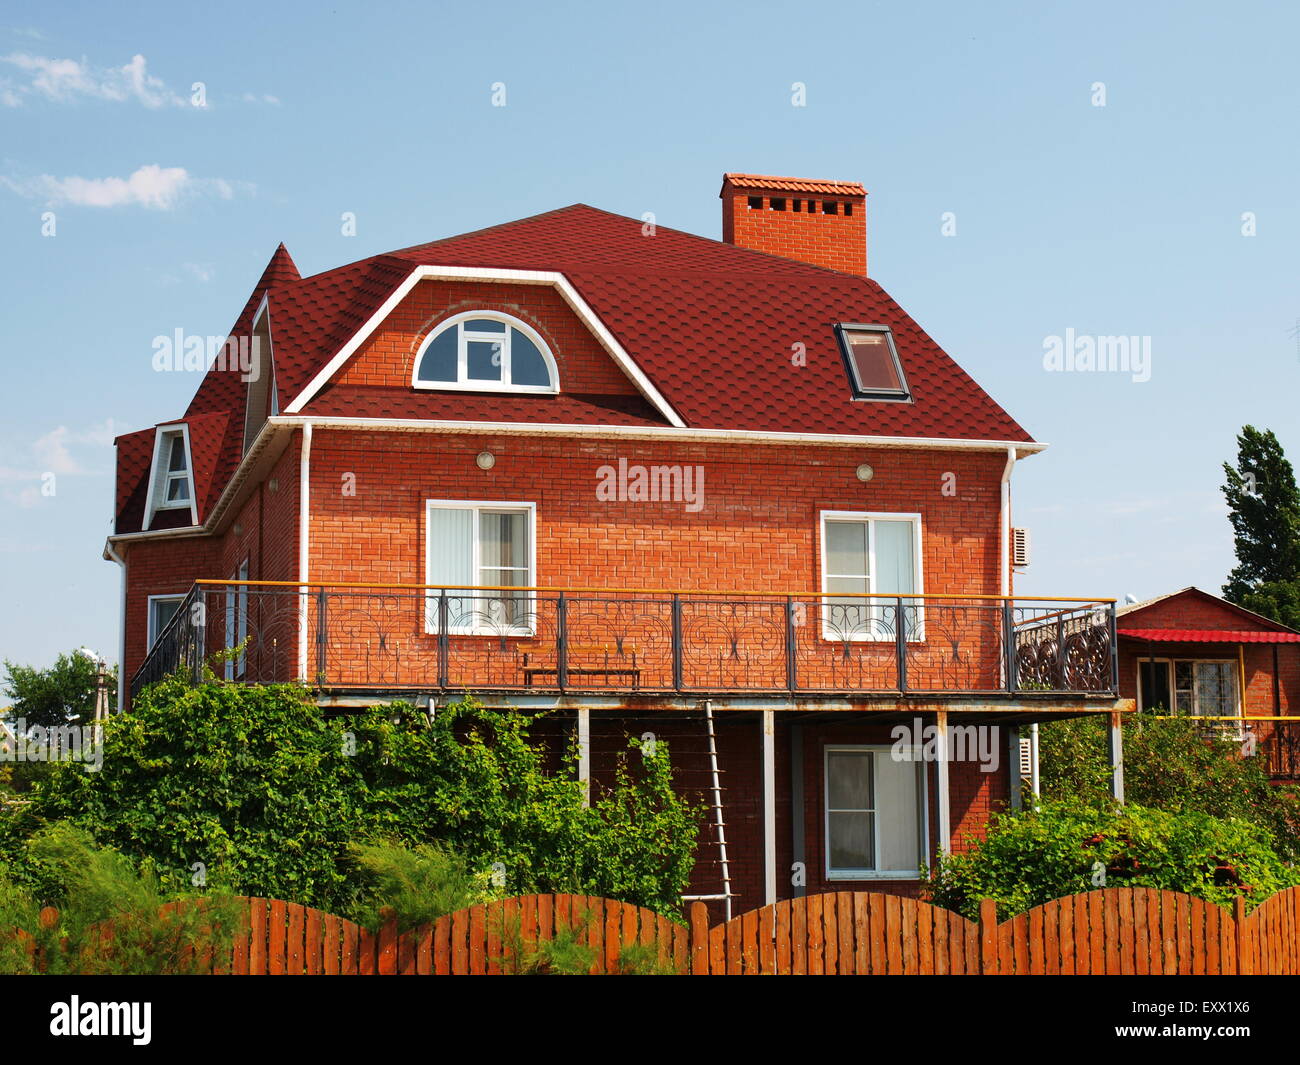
x=872, y=362
x=485, y=351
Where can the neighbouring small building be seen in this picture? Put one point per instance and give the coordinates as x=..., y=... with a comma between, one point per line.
x=1193, y=653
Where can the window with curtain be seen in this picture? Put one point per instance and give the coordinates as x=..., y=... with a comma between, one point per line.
x=870, y=553
x=483, y=546
x=875, y=814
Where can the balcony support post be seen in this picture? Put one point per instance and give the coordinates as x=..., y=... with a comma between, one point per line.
x=322, y=637
x=1115, y=749
x=199, y=620
x=900, y=643
x=1009, y=644
x=562, y=644
x=769, y=807
x=1114, y=651
x=444, y=641
x=791, y=646
x=584, y=753
x=942, y=797
x=677, y=643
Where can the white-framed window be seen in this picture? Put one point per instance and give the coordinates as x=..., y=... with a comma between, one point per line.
x=171, y=484
x=486, y=545
x=876, y=812
x=485, y=351
x=162, y=608
x=1199, y=687
x=864, y=552
x=237, y=621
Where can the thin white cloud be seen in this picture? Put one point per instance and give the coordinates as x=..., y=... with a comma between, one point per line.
x=155, y=187
x=65, y=80
x=61, y=452
x=71, y=80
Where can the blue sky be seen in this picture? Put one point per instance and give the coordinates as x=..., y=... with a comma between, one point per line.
x=1122, y=219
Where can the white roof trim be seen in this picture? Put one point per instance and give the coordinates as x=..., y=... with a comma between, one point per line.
x=431, y=425
x=476, y=273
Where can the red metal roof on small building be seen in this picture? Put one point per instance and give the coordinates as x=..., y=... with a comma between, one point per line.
x=1210, y=636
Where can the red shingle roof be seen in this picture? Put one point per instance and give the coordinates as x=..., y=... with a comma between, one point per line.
x=713, y=327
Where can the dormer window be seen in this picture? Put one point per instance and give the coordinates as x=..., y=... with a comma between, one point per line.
x=177, y=493
x=872, y=362
x=171, y=485
x=485, y=351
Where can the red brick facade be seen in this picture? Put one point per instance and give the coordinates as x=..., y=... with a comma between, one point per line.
x=757, y=529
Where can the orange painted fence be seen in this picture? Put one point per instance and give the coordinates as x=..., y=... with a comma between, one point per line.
x=489, y=939
x=1120, y=931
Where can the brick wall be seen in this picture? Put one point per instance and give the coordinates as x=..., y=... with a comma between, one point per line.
x=837, y=241
x=387, y=357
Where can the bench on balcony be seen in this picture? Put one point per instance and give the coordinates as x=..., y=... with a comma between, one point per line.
x=583, y=660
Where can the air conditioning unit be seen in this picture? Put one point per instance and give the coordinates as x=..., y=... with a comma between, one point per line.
x=1020, y=547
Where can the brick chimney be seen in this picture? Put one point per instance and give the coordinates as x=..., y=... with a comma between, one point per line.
x=818, y=222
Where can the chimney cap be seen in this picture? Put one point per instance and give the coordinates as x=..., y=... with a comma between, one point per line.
x=790, y=184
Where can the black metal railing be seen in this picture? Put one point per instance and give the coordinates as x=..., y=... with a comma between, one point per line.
x=1279, y=744
x=373, y=637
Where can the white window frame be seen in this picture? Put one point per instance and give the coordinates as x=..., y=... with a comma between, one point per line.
x=160, y=476
x=237, y=621
x=151, y=632
x=916, y=633
x=915, y=752
x=1168, y=662
x=463, y=382
x=478, y=507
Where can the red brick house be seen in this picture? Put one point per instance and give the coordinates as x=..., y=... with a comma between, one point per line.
x=1193, y=653
x=725, y=492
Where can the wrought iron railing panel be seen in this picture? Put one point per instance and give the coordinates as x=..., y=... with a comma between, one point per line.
x=362, y=637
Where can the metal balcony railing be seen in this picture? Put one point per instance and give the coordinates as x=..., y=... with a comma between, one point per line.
x=369, y=637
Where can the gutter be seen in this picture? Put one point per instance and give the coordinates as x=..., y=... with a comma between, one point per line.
x=111, y=552
x=304, y=556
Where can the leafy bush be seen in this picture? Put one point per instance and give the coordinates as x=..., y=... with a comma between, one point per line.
x=416, y=885
x=1169, y=765
x=112, y=917
x=567, y=954
x=1066, y=847
x=257, y=782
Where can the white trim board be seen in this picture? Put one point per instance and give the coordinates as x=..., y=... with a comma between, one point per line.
x=474, y=273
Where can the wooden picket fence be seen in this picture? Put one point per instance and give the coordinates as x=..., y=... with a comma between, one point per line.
x=1114, y=931
x=489, y=939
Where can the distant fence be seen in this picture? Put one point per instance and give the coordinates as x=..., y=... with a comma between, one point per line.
x=1114, y=931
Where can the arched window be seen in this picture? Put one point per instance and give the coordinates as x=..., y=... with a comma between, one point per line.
x=485, y=351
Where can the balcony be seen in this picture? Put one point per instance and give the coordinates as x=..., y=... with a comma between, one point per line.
x=392, y=639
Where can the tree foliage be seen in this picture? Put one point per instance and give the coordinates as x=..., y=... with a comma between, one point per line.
x=62, y=694
x=1071, y=846
x=1171, y=765
x=113, y=917
x=1264, y=505
x=256, y=784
